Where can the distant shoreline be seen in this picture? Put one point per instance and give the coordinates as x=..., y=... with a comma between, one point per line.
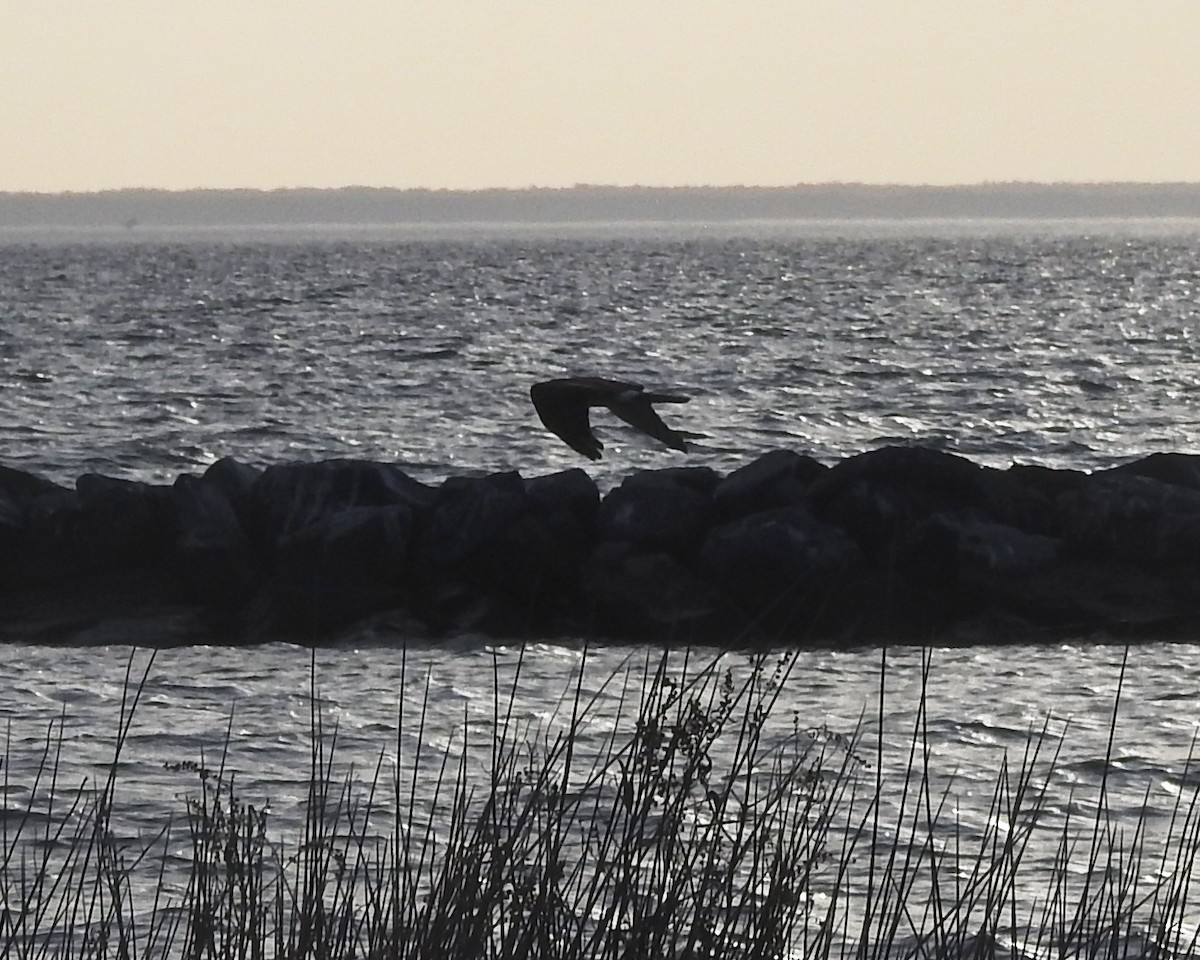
x=369, y=206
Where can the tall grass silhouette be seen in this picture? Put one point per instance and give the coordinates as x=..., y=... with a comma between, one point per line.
x=702, y=824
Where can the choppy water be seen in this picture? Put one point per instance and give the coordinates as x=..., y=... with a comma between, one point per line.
x=1071, y=345
x=146, y=359
x=250, y=711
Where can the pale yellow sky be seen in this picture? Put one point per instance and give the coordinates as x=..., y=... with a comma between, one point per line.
x=98, y=94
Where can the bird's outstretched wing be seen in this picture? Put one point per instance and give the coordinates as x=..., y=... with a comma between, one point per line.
x=633, y=406
x=562, y=406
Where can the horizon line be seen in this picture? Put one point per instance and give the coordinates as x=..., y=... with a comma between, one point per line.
x=807, y=185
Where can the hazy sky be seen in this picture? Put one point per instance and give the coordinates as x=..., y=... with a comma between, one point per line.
x=475, y=93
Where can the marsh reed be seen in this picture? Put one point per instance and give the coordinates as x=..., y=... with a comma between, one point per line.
x=693, y=828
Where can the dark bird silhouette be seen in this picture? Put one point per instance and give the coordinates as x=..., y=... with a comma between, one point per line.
x=563, y=406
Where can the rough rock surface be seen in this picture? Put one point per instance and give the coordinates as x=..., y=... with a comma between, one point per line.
x=904, y=544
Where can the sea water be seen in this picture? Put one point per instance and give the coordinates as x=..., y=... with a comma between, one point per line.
x=143, y=355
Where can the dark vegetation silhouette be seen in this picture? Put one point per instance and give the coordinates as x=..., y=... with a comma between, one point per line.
x=692, y=832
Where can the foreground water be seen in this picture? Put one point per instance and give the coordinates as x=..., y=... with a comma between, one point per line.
x=253, y=710
x=1071, y=345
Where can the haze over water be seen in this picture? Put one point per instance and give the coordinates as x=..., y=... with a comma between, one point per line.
x=1070, y=345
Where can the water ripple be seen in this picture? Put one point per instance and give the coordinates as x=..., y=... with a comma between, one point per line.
x=1047, y=348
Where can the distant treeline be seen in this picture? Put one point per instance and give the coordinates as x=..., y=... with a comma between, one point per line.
x=587, y=203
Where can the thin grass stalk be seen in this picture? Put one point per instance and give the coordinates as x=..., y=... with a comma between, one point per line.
x=1018, y=813
x=453, y=905
x=601, y=900
x=99, y=912
x=553, y=937
x=403, y=839
x=422, y=920
x=883, y=912
x=756, y=842
x=936, y=908
x=838, y=918
x=1167, y=908
x=376, y=871
x=596, y=843
x=900, y=880
x=1025, y=814
x=401, y=907
x=51, y=898
x=19, y=931
x=864, y=939
x=164, y=921
x=1080, y=923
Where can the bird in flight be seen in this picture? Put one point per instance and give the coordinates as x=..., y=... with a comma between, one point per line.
x=563, y=407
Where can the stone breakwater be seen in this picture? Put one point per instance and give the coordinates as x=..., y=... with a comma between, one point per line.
x=900, y=543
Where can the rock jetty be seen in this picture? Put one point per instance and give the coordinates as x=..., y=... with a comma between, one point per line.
x=900, y=544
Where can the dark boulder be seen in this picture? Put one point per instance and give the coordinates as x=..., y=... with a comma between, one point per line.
x=465, y=519
x=1179, y=469
x=878, y=496
x=105, y=525
x=503, y=554
x=289, y=497
x=23, y=495
x=569, y=491
x=1049, y=482
x=648, y=595
x=536, y=583
x=213, y=558
x=1026, y=496
x=702, y=480
x=958, y=565
x=937, y=475
x=18, y=488
x=235, y=481
x=658, y=510
x=342, y=568
x=786, y=570
x=1076, y=596
x=965, y=544
x=1132, y=518
x=780, y=478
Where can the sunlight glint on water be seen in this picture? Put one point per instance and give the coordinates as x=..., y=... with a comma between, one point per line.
x=1064, y=345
